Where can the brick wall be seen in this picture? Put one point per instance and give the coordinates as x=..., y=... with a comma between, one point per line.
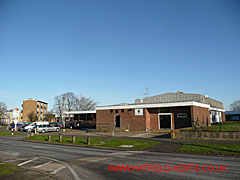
x=223, y=116
x=28, y=107
x=128, y=120
x=200, y=115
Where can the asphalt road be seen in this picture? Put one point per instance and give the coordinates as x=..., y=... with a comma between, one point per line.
x=67, y=162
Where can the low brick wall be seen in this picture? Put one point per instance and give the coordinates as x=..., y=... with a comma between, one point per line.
x=206, y=135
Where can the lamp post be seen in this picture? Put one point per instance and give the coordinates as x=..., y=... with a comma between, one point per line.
x=63, y=117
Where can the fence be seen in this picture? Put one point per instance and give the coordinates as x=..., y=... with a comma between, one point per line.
x=206, y=135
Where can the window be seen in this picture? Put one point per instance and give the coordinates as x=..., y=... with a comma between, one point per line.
x=122, y=110
x=181, y=115
x=129, y=110
x=111, y=111
x=116, y=111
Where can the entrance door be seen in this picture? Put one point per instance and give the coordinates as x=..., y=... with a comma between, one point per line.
x=165, y=121
x=117, y=121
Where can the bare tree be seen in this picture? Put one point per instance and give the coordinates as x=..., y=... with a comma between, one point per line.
x=58, y=106
x=72, y=103
x=3, y=109
x=49, y=116
x=85, y=104
x=235, y=106
x=32, y=116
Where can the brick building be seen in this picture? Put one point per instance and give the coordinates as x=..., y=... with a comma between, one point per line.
x=38, y=108
x=164, y=111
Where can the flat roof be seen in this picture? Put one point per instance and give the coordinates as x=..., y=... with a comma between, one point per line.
x=232, y=113
x=157, y=105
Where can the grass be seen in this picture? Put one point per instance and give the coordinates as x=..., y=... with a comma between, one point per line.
x=115, y=143
x=225, y=127
x=4, y=133
x=204, y=148
x=6, y=169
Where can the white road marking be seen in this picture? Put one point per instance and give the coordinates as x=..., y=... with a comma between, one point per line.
x=27, y=161
x=43, y=164
x=69, y=167
x=16, y=160
x=58, y=169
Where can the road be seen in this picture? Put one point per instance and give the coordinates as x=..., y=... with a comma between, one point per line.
x=75, y=163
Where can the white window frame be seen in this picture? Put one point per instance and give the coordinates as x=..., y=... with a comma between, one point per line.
x=181, y=115
x=159, y=114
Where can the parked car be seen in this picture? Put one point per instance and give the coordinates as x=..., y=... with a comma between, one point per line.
x=80, y=125
x=21, y=128
x=18, y=125
x=57, y=124
x=45, y=128
x=29, y=128
x=69, y=125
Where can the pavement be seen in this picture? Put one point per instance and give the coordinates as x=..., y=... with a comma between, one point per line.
x=50, y=161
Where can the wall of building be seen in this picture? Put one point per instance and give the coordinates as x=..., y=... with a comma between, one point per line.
x=28, y=107
x=200, y=115
x=176, y=123
x=150, y=118
x=37, y=107
x=128, y=120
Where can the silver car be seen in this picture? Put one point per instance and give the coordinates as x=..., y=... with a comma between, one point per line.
x=46, y=128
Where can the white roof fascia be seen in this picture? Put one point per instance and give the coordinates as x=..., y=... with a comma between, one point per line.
x=80, y=112
x=216, y=109
x=159, y=105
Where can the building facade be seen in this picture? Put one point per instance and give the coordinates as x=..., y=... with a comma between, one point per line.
x=164, y=111
x=11, y=115
x=232, y=115
x=35, y=108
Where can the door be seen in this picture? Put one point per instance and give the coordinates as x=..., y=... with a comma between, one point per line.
x=165, y=121
x=117, y=121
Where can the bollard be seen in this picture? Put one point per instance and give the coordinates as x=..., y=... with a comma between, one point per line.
x=88, y=140
x=28, y=135
x=12, y=132
x=60, y=138
x=49, y=137
x=73, y=139
x=64, y=130
x=113, y=135
x=35, y=131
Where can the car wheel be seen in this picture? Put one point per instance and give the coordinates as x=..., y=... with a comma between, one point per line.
x=43, y=131
x=57, y=129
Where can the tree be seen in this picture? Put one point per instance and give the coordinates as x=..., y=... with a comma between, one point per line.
x=49, y=116
x=3, y=109
x=85, y=104
x=72, y=102
x=32, y=116
x=235, y=106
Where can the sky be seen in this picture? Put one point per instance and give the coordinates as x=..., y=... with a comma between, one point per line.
x=111, y=50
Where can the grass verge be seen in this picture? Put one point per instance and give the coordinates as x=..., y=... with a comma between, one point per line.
x=204, y=148
x=113, y=143
x=6, y=169
x=4, y=133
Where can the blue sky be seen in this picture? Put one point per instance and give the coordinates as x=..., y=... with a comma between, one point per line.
x=111, y=50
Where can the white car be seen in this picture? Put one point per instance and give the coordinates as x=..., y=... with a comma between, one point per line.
x=46, y=128
x=29, y=128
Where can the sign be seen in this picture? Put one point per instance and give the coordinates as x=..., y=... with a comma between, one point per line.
x=138, y=112
x=16, y=113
